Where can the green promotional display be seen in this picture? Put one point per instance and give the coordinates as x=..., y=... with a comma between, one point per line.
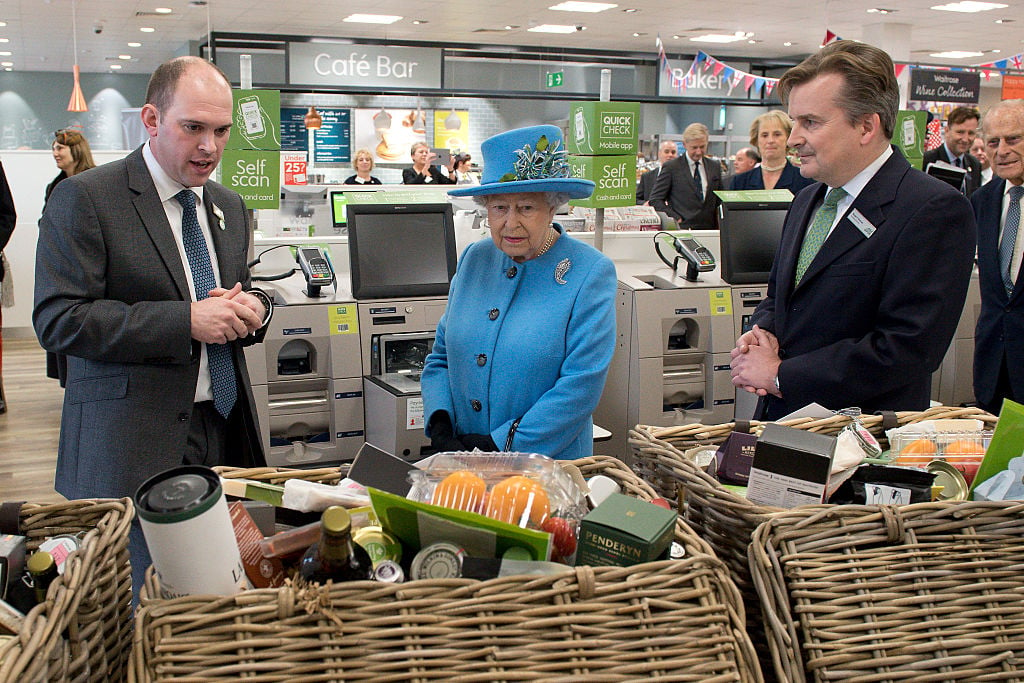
x=252, y=157
x=614, y=177
x=254, y=174
x=602, y=145
x=909, y=135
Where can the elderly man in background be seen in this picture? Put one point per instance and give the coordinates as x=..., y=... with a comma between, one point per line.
x=667, y=151
x=685, y=188
x=999, y=336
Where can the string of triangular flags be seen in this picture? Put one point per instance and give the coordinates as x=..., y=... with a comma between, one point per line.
x=736, y=77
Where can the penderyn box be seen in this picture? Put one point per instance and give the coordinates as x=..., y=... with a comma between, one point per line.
x=791, y=467
x=623, y=531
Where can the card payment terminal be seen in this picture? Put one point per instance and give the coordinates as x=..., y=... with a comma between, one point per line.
x=316, y=266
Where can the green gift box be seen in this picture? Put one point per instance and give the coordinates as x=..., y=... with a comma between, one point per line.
x=623, y=531
x=603, y=128
x=614, y=177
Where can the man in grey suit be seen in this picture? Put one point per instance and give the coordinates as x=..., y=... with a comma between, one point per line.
x=126, y=288
x=685, y=188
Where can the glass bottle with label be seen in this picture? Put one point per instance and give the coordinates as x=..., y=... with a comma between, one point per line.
x=335, y=557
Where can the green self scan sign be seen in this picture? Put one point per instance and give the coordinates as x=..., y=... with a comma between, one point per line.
x=256, y=120
x=614, y=177
x=555, y=78
x=603, y=128
x=254, y=174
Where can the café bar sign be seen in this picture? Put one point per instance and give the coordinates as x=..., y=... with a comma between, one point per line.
x=352, y=65
x=938, y=85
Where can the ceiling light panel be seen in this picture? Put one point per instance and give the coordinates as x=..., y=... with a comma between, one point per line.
x=575, y=6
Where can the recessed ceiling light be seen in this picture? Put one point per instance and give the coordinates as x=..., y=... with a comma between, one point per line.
x=996, y=51
x=676, y=37
x=3, y=23
x=5, y=53
x=163, y=10
x=552, y=28
x=372, y=18
x=419, y=22
x=147, y=29
x=754, y=42
x=115, y=66
x=637, y=34
x=6, y=63
x=630, y=10
x=1004, y=21
x=787, y=44
x=511, y=27
x=134, y=44
x=124, y=57
x=576, y=6
x=718, y=38
x=5, y=40
x=956, y=54
x=882, y=10
x=7, y=68
x=969, y=6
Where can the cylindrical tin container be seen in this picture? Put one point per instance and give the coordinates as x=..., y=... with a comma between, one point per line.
x=378, y=544
x=188, y=530
x=437, y=561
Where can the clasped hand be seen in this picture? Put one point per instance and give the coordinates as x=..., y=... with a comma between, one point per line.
x=755, y=362
x=227, y=315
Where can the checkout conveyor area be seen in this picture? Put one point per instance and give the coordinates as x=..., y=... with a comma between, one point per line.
x=334, y=372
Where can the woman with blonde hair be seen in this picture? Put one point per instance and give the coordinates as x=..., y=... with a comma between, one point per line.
x=362, y=164
x=769, y=133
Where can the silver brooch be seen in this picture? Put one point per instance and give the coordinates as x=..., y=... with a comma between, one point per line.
x=561, y=269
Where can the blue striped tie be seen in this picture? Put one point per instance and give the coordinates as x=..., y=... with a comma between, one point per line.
x=222, y=367
x=1006, y=244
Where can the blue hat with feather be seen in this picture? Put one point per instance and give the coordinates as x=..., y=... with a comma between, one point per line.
x=531, y=159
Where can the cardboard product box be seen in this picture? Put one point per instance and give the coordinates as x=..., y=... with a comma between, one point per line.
x=623, y=531
x=12, y=560
x=791, y=467
x=261, y=571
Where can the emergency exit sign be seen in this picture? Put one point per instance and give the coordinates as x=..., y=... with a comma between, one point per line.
x=555, y=78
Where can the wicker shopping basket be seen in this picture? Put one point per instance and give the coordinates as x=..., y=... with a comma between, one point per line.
x=922, y=592
x=677, y=619
x=723, y=518
x=83, y=630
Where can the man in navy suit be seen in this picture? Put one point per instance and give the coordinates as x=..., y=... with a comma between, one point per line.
x=667, y=151
x=874, y=260
x=119, y=291
x=961, y=130
x=999, y=337
x=685, y=187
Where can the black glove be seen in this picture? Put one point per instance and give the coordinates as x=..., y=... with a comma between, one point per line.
x=484, y=442
x=442, y=434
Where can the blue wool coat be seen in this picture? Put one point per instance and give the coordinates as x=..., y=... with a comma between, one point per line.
x=516, y=343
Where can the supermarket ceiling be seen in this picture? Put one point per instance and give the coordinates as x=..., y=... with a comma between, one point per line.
x=113, y=33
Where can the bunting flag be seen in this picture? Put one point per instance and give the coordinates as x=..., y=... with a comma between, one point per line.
x=829, y=38
x=900, y=68
x=733, y=76
x=1015, y=62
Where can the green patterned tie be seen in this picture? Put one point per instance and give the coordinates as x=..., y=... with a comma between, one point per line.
x=818, y=231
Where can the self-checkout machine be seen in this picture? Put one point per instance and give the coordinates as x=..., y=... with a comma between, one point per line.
x=749, y=227
x=307, y=375
x=402, y=256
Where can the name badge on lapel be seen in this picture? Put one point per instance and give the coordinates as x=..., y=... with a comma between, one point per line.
x=863, y=224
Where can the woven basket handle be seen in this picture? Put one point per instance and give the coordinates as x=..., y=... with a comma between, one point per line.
x=10, y=517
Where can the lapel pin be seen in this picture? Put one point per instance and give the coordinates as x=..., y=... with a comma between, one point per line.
x=219, y=214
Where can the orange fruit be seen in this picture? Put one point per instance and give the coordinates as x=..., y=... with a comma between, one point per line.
x=964, y=447
x=460, y=490
x=519, y=500
x=919, y=447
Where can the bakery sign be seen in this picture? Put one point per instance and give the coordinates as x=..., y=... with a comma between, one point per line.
x=353, y=65
x=934, y=85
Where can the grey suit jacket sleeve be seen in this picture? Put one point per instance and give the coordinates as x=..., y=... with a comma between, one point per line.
x=101, y=291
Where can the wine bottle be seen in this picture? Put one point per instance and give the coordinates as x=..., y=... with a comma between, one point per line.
x=43, y=570
x=335, y=557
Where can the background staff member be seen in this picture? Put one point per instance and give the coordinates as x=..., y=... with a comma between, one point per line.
x=999, y=337
x=423, y=169
x=8, y=218
x=961, y=130
x=140, y=271
x=874, y=261
x=521, y=353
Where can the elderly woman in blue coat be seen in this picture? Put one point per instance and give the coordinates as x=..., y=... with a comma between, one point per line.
x=523, y=348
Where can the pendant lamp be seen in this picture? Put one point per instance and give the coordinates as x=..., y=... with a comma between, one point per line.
x=312, y=119
x=77, y=101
